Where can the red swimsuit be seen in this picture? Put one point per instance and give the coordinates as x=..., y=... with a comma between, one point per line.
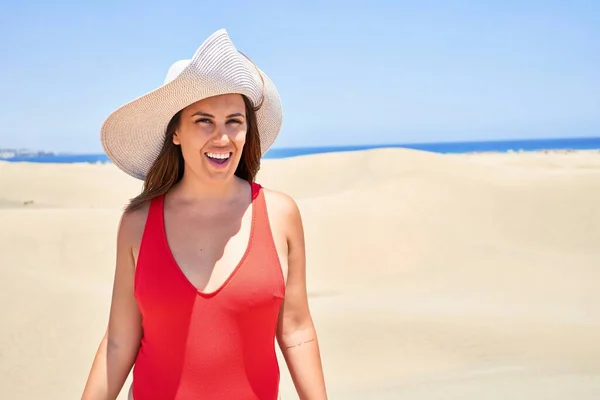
x=216, y=346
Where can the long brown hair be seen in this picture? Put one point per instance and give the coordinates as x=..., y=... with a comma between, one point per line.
x=168, y=167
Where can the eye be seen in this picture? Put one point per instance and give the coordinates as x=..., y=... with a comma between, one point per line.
x=203, y=120
x=236, y=121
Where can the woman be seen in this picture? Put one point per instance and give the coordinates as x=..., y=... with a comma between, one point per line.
x=210, y=268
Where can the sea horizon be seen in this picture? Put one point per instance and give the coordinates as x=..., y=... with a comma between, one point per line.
x=478, y=146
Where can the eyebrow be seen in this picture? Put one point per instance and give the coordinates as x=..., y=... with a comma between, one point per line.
x=203, y=114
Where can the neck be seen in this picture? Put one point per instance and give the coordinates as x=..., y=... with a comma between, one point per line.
x=194, y=188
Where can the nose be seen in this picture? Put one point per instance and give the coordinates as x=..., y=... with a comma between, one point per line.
x=222, y=138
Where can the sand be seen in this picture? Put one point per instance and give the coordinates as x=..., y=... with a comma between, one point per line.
x=471, y=276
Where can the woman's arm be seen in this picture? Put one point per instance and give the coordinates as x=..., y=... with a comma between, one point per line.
x=118, y=349
x=296, y=332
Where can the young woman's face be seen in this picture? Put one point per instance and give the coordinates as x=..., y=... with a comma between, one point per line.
x=212, y=134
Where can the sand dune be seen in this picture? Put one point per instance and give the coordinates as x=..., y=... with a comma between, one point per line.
x=431, y=276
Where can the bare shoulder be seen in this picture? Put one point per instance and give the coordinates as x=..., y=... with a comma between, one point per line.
x=284, y=212
x=131, y=227
x=134, y=220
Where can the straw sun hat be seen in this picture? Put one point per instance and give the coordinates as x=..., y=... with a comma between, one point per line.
x=133, y=135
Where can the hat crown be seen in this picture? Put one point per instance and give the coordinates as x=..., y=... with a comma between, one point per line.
x=175, y=70
x=218, y=64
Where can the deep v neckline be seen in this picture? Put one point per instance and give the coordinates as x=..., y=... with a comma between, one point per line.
x=165, y=242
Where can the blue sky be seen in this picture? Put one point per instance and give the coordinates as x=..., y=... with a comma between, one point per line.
x=349, y=72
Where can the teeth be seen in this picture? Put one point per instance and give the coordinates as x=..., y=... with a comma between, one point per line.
x=219, y=156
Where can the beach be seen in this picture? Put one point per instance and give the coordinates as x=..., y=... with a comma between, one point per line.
x=430, y=276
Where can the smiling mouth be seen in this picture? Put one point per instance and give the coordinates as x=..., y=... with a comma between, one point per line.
x=219, y=159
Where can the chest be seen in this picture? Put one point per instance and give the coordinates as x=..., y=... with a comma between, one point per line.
x=207, y=248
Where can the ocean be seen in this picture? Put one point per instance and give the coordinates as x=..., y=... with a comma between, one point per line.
x=587, y=143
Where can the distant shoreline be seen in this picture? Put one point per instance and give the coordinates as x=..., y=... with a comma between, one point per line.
x=492, y=146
